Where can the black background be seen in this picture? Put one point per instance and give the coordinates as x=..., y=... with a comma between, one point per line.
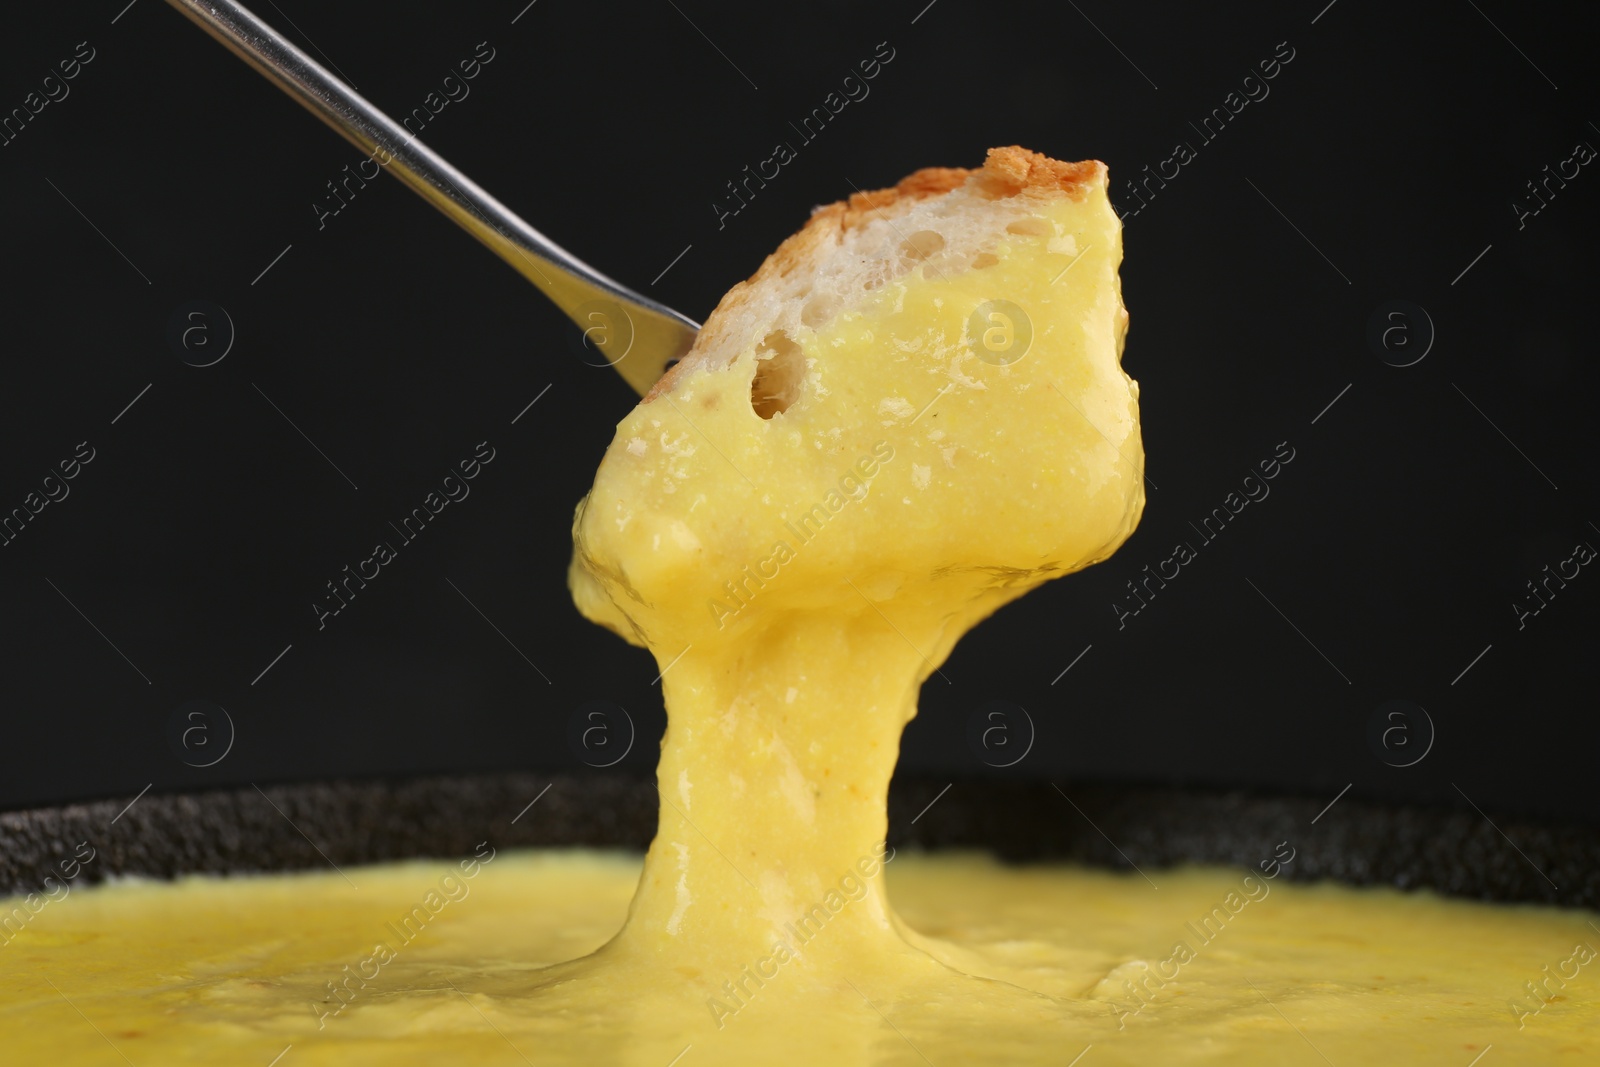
x=197, y=540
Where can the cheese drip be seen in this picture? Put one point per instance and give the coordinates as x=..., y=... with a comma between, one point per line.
x=801, y=534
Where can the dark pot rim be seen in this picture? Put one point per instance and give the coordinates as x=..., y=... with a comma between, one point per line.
x=342, y=823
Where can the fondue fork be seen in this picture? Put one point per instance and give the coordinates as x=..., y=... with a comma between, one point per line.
x=635, y=335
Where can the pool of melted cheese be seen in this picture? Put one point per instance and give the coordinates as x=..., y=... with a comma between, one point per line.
x=797, y=577
x=236, y=970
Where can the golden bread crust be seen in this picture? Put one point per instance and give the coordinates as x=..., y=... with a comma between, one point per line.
x=1006, y=172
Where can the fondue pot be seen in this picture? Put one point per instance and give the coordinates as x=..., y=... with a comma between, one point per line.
x=311, y=825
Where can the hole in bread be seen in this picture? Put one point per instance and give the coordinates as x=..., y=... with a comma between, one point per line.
x=818, y=310
x=984, y=259
x=922, y=244
x=780, y=370
x=1031, y=227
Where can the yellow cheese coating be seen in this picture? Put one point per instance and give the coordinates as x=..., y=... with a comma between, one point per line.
x=233, y=971
x=962, y=435
x=797, y=577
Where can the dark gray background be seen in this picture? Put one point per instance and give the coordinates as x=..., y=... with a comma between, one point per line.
x=1385, y=160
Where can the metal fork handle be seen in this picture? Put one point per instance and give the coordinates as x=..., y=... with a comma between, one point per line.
x=634, y=334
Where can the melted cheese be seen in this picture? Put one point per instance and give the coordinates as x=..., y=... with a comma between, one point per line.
x=958, y=437
x=209, y=971
x=798, y=569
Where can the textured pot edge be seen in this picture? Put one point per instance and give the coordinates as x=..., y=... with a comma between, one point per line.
x=340, y=823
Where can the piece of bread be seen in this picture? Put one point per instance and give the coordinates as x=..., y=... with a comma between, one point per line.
x=919, y=395
x=948, y=218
